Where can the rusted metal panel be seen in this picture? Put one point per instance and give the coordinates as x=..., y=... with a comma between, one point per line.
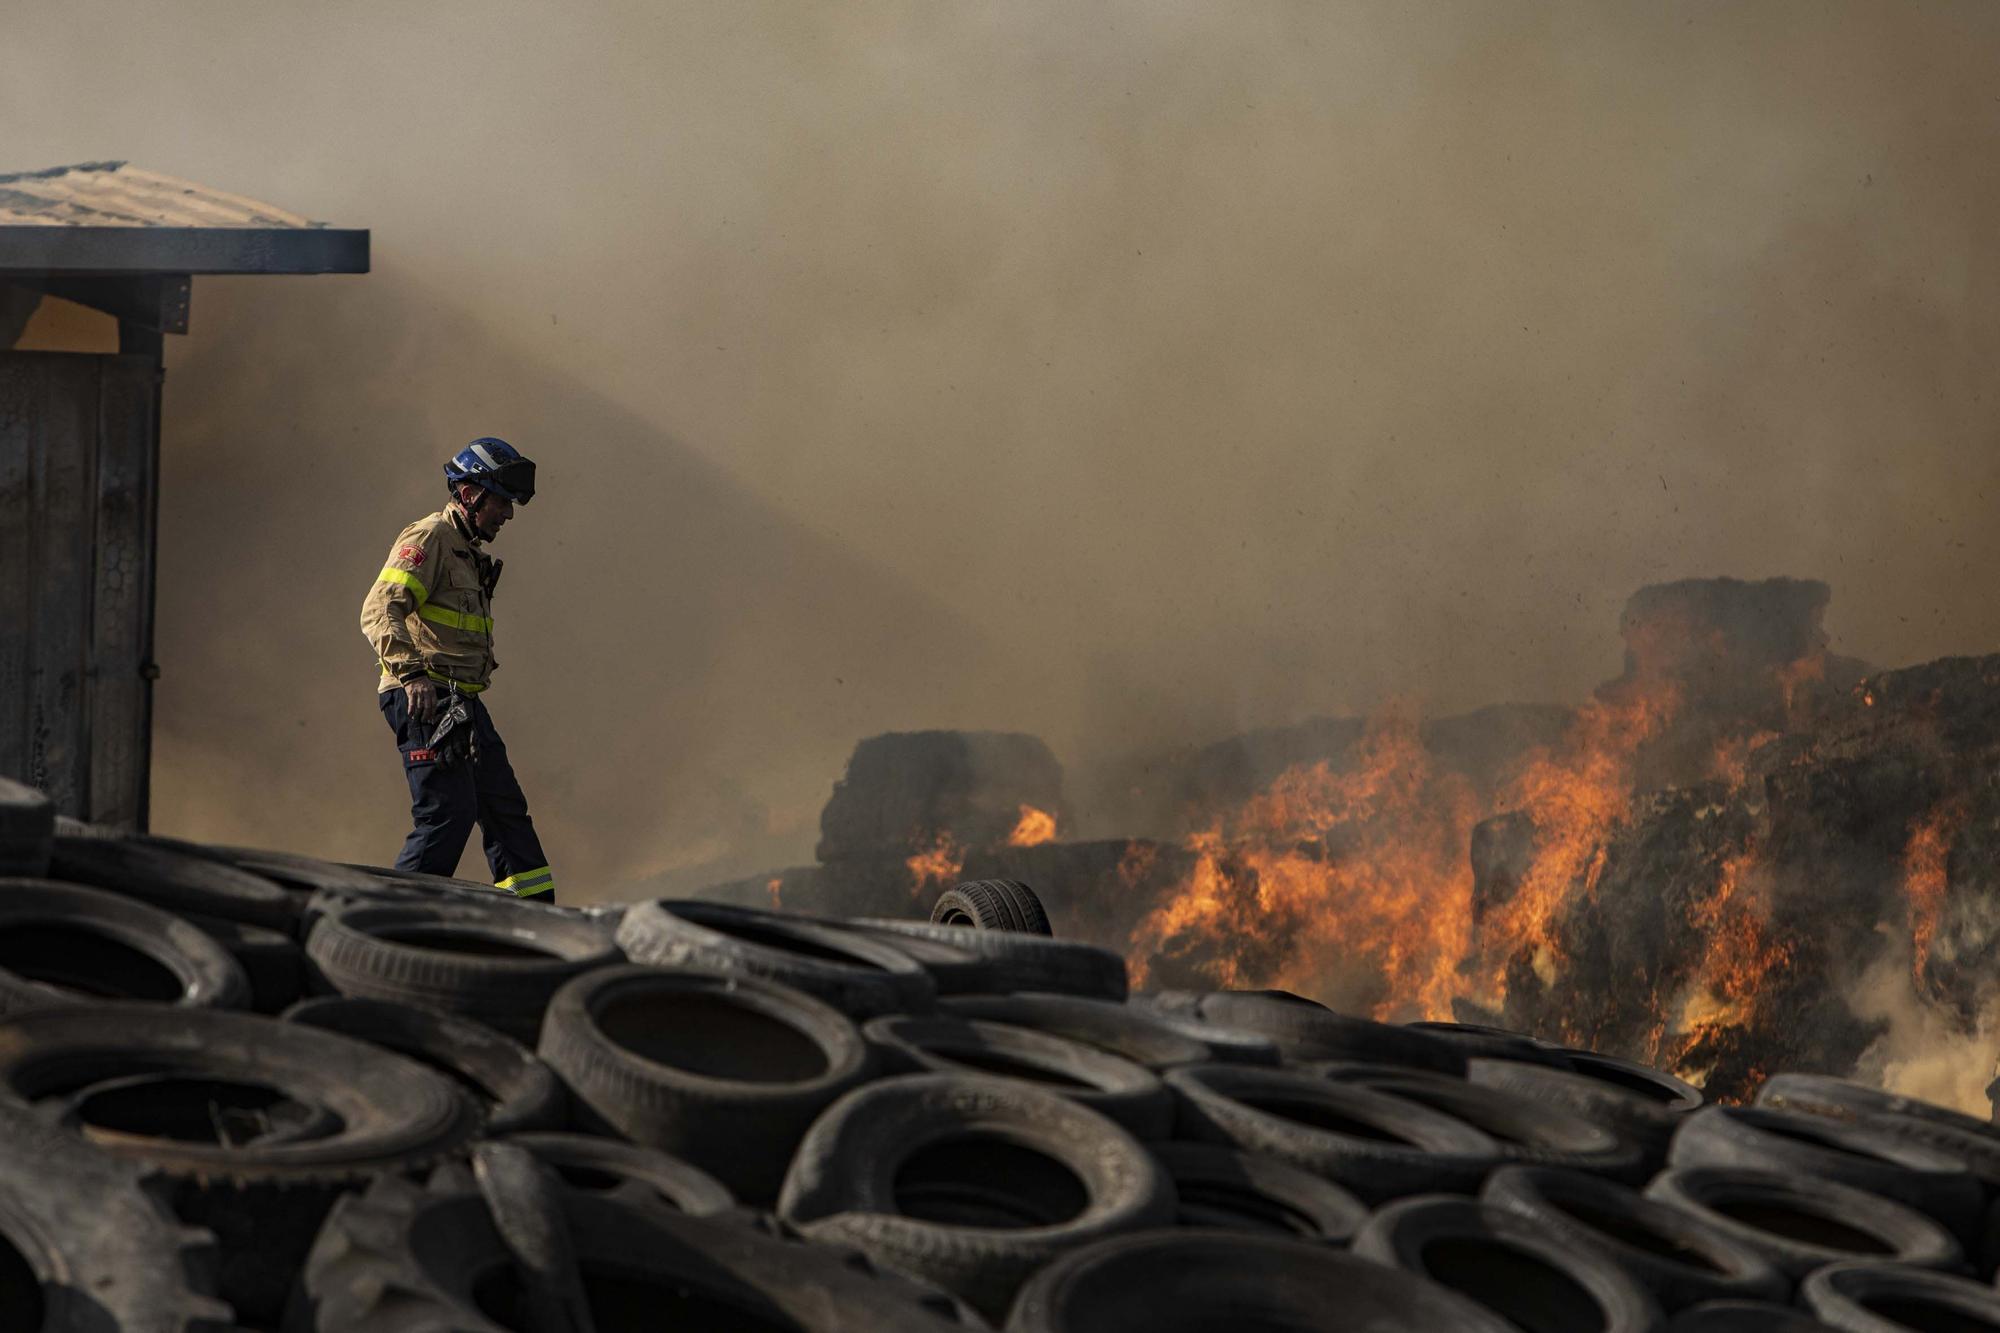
x=77, y=485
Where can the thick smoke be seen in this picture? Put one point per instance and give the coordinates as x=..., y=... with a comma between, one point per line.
x=1125, y=373
x=1923, y=1051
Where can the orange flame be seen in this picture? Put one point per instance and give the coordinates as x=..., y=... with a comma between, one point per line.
x=1035, y=828
x=1355, y=885
x=1925, y=877
x=1737, y=961
x=1731, y=762
x=940, y=863
x=771, y=887
x=1574, y=799
x=1328, y=876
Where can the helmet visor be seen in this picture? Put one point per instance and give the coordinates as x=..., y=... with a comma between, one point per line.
x=513, y=480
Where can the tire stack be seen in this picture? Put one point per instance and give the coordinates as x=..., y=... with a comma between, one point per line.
x=244, y=1090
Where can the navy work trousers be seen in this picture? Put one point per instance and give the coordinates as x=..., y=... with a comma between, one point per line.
x=446, y=802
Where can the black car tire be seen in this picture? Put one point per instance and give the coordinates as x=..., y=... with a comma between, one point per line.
x=954, y=969
x=1798, y=1223
x=1642, y=1118
x=1743, y=1317
x=854, y=973
x=1026, y=962
x=401, y=1258
x=1482, y=1042
x=1121, y=1029
x=174, y=880
x=497, y=963
x=1109, y=1084
x=1509, y=1263
x=625, y=1170
x=1306, y=1032
x=1884, y=1298
x=272, y=961
x=1373, y=1144
x=89, y=1244
x=725, y=1071
x=1820, y=1094
x=1222, y=1188
x=1797, y=1143
x=969, y=1182
x=1529, y=1132
x=1677, y=1256
x=514, y=1089
x=66, y=944
x=1203, y=1281
x=255, y=1124
x=992, y=904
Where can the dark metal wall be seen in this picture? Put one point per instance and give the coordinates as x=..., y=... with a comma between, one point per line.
x=79, y=459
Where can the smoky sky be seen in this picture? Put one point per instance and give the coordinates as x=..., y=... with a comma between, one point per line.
x=1129, y=373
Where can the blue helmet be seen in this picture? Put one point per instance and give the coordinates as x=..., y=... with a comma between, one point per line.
x=497, y=466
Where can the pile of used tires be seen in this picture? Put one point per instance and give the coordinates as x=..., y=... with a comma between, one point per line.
x=252, y=1090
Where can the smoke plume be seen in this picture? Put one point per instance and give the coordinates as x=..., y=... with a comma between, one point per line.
x=1125, y=373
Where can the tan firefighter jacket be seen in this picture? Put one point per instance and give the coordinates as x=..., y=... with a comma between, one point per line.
x=431, y=609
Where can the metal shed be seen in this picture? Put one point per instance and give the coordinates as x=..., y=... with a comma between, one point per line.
x=80, y=448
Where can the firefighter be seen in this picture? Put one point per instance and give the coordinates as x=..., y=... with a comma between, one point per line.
x=429, y=618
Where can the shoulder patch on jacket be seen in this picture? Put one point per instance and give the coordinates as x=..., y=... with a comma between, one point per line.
x=410, y=555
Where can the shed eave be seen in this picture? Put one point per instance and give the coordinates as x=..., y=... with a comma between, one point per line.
x=193, y=250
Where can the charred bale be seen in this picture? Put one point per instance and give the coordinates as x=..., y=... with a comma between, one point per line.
x=1724, y=928
x=1735, y=658
x=907, y=791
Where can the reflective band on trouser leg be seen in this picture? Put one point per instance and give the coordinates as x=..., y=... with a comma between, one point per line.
x=408, y=580
x=529, y=882
x=440, y=615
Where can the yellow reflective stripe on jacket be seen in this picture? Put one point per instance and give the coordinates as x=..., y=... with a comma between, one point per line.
x=529, y=882
x=440, y=615
x=390, y=574
x=463, y=687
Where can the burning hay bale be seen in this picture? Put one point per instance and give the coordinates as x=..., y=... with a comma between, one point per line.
x=1699, y=872
x=916, y=812
x=1740, y=852
x=912, y=793
x=1728, y=927
x=1737, y=662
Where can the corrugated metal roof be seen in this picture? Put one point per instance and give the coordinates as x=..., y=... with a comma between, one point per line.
x=113, y=194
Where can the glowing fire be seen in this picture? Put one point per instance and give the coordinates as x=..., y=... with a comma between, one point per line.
x=771, y=887
x=1574, y=799
x=938, y=864
x=1355, y=885
x=1035, y=828
x=1732, y=756
x=1925, y=865
x=1738, y=958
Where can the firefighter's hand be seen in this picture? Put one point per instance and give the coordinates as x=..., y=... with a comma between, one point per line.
x=422, y=695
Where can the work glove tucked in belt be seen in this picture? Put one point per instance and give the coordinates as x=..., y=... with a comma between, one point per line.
x=452, y=741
